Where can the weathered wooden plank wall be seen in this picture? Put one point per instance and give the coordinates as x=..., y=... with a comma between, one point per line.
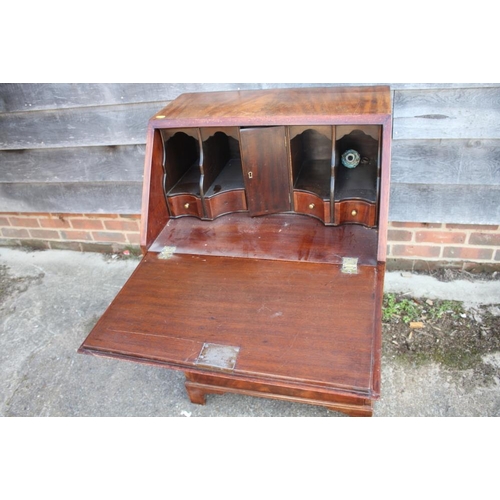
x=80, y=147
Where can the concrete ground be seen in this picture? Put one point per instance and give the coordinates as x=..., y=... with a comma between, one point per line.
x=51, y=299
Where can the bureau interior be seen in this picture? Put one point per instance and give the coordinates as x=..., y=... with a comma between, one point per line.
x=203, y=163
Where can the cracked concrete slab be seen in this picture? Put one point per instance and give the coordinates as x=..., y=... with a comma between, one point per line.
x=53, y=299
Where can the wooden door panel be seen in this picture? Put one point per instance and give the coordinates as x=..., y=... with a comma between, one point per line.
x=264, y=159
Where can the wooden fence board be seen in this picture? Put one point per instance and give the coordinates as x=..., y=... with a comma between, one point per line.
x=80, y=197
x=99, y=126
x=94, y=164
x=447, y=114
x=15, y=97
x=409, y=202
x=440, y=203
x=80, y=148
x=465, y=162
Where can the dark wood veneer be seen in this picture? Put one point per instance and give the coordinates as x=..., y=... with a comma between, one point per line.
x=264, y=157
x=247, y=218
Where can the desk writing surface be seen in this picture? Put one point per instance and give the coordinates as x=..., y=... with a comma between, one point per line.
x=295, y=321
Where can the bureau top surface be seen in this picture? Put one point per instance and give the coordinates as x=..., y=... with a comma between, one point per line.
x=277, y=106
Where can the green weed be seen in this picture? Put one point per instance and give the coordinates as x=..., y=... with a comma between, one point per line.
x=397, y=308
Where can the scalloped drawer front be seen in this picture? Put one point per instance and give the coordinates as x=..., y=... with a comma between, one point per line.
x=356, y=212
x=185, y=204
x=225, y=203
x=309, y=204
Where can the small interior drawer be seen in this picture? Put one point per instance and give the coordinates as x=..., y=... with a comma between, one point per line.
x=355, y=212
x=185, y=204
x=225, y=203
x=309, y=204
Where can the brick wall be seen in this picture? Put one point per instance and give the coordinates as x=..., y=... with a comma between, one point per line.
x=455, y=244
x=82, y=232
x=408, y=243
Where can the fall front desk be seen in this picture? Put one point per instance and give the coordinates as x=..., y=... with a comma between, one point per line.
x=264, y=220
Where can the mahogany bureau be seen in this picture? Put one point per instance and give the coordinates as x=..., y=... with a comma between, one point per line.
x=263, y=229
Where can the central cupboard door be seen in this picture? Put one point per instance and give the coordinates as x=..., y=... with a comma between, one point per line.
x=264, y=160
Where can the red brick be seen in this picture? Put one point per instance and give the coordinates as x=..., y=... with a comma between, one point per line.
x=76, y=235
x=440, y=237
x=54, y=222
x=397, y=235
x=23, y=222
x=121, y=225
x=468, y=253
x=86, y=224
x=418, y=225
x=110, y=237
x=133, y=238
x=485, y=239
x=11, y=232
x=101, y=216
x=472, y=226
x=4, y=221
x=31, y=214
x=131, y=216
x=44, y=234
x=415, y=251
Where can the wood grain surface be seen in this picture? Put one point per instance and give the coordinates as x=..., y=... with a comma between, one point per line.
x=31, y=97
x=443, y=203
x=94, y=164
x=75, y=197
x=259, y=306
x=89, y=126
x=265, y=165
x=278, y=237
x=299, y=106
x=450, y=114
x=447, y=162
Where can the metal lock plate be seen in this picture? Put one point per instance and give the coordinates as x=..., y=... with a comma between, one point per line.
x=218, y=356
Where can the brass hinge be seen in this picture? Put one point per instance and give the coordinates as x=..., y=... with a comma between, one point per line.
x=349, y=265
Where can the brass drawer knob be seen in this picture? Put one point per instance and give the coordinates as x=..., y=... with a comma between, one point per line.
x=354, y=213
x=186, y=205
x=311, y=205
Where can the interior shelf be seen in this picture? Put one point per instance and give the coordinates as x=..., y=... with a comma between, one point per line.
x=181, y=162
x=359, y=182
x=221, y=161
x=311, y=153
x=314, y=177
x=189, y=182
x=230, y=178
